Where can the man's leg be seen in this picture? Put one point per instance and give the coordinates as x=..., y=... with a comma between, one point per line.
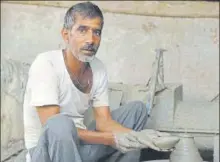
x=58, y=143
x=132, y=115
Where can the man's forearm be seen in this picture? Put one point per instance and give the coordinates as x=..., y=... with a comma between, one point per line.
x=95, y=137
x=111, y=126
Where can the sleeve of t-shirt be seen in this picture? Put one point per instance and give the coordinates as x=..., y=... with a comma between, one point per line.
x=43, y=83
x=101, y=94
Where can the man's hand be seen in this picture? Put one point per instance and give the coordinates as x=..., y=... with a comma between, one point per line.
x=138, y=140
x=125, y=142
x=156, y=140
x=147, y=138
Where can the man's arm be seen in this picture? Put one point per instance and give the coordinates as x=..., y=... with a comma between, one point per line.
x=45, y=112
x=106, y=138
x=44, y=96
x=105, y=123
x=94, y=137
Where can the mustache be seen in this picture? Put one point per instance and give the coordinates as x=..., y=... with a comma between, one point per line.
x=90, y=47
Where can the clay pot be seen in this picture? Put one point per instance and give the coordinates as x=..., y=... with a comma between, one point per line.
x=185, y=151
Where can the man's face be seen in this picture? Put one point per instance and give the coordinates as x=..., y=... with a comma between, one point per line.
x=84, y=38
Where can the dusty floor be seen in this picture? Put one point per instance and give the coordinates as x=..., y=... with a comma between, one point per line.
x=149, y=155
x=206, y=156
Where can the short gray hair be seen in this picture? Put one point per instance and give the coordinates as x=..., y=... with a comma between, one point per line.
x=85, y=9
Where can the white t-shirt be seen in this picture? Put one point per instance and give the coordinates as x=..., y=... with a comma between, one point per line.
x=49, y=83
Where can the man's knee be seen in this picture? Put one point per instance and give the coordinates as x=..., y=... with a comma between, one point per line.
x=139, y=109
x=138, y=106
x=61, y=126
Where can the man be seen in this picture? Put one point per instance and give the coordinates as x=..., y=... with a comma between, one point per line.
x=62, y=85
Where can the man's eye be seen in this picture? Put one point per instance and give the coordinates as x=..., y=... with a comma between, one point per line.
x=97, y=32
x=82, y=30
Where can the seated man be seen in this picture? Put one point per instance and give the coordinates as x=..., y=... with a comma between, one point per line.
x=62, y=85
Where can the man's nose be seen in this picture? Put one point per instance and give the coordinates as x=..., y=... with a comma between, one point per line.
x=90, y=39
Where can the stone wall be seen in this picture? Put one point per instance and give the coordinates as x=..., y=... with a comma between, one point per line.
x=146, y=8
x=128, y=40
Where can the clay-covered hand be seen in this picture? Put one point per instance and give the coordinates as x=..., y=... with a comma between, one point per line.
x=154, y=139
x=126, y=142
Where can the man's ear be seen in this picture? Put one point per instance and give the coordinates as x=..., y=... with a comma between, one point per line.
x=64, y=34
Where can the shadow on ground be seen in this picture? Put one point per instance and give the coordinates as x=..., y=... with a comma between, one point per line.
x=149, y=154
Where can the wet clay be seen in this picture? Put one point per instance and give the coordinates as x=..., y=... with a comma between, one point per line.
x=167, y=142
x=185, y=151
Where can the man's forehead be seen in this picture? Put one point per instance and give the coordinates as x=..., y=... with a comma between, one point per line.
x=94, y=22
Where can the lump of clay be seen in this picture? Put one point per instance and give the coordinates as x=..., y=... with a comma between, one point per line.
x=167, y=143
